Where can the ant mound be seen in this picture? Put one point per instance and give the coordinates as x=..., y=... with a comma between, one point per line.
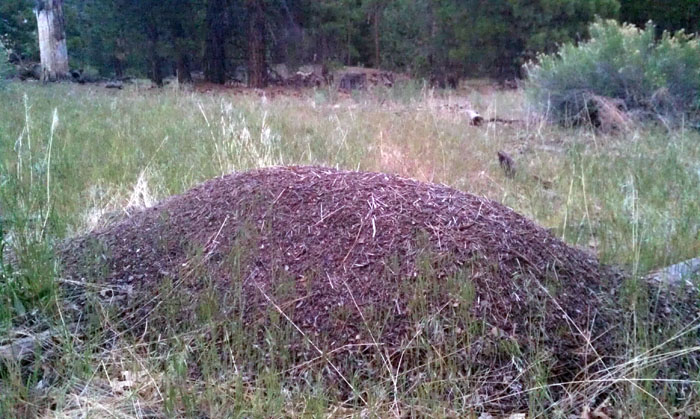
x=353, y=257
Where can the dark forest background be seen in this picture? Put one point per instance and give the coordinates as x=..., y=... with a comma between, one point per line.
x=243, y=39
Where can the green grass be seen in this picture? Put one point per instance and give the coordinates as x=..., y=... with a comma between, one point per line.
x=74, y=157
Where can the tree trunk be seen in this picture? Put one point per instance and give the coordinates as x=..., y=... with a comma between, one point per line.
x=377, y=12
x=182, y=59
x=119, y=57
x=52, y=40
x=183, y=68
x=156, y=69
x=118, y=68
x=377, y=57
x=433, y=37
x=348, y=43
x=215, y=44
x=257, y=65
x=155, y=58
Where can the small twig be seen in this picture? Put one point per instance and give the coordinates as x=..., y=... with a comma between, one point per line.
x=330, y=214
x=357, y=237
x=279, y=310
x=394, y=377
x=213, y=242
x=273, y=203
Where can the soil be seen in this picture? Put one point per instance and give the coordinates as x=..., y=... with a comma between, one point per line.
x=316, y=239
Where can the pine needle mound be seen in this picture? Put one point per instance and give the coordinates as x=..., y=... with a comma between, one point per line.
x=352, y=257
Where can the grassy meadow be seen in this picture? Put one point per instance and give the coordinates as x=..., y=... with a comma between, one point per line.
x=73, y=158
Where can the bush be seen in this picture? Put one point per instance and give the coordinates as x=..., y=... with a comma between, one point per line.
x=647, y=76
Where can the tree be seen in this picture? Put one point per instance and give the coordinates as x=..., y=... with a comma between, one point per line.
x=218, y=26
x=497, y=37
x=156, y=61
x=440, y=39
x=155, y=19
x=52, y=39
x=668, y=15
x=408, y=30
x=17, y=29
x=375, y=11
x=257, y=62
x=98, y=33
x=6, y=68
x=181, y=26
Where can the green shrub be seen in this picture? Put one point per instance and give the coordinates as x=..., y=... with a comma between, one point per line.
x=648, y=76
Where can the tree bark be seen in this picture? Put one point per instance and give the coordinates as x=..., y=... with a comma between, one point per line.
x=379, y=7
x=377, y=59
x=156, y=69
x=155, y=58
x=119, y=57
x=182, y=59
x=183, y=68
x=257, y=64
x=118, y=68
x=215, y=44
x=52, y=40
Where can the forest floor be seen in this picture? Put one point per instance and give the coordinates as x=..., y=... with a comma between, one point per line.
x=75, y=159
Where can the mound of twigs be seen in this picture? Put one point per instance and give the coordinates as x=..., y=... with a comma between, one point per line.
x=333, y=251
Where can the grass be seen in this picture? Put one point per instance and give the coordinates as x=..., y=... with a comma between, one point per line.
x=75, y=157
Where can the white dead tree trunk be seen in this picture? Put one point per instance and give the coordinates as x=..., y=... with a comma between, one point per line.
x=52, y=39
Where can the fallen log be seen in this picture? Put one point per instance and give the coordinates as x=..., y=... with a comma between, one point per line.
x=678, y=274
x=29, y=71
x=474, y=117
x=504, y=121
x=301, y=79
x=23, y=349
x=353, y=81
x=114, y=85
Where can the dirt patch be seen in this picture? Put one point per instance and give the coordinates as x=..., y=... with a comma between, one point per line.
x=317, y=240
